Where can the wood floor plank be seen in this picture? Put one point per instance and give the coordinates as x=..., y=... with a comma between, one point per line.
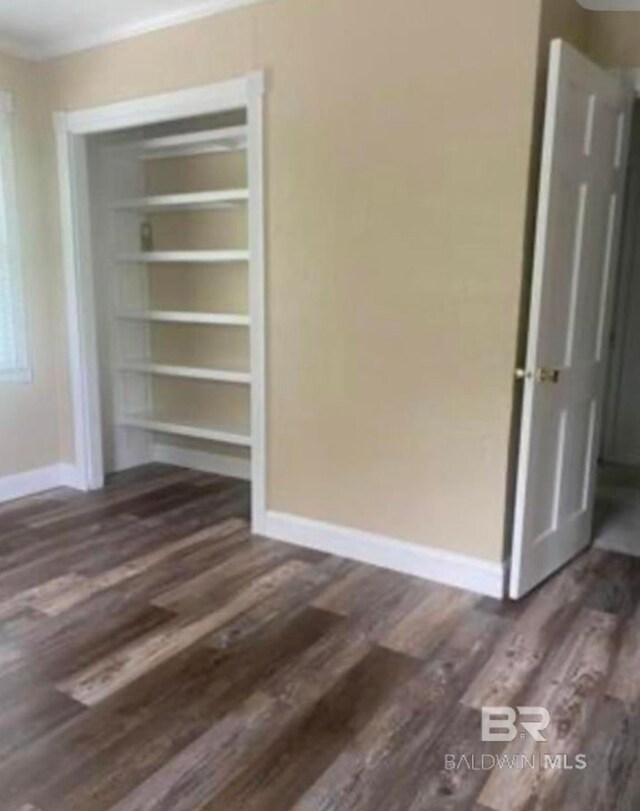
x=372, y=772
x=154, y=656
x=26, y=720
x=41, y=594
x=612, y=777
x=166, y=711
x=90, y=503
x=212, y=586
x=58, y=646
x=56, y=554
x=277, y=776
x=151, y=536
x=220, y=755
x=569, y=689
x=105, y=677
x=283, y=606
x=624, y=682
x=54, y=600
x=530, y=637
x=76, y=517
x=14, y=513
x=145, y=586
x=616, y=590
x=363, y=591
x=453, y=789
x=426, y=625
x=375, y=600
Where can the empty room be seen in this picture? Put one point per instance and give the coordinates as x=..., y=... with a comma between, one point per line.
x=319, y=405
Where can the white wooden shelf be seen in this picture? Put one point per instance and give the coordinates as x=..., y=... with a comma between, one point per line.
x=187, y=317
x=190, y=372
x=179, y=257
x=188, y=429
x=226, y=198
x=229, y=139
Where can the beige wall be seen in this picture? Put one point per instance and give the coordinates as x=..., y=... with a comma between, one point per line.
x=614, y=38
x=565, y=19
x=29, y=412
x=397, y=157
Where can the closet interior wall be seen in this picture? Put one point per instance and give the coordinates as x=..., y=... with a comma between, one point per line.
x=170, y=245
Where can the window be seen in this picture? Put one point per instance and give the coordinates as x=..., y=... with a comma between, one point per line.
x=14, y=364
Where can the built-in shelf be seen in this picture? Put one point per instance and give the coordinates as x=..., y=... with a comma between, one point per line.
x=226, y=198
x=190, y=372
x=229, y=139
x=188, y=429
x=187, y=317
x=179, y=257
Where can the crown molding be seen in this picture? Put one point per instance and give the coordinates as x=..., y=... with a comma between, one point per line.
x=68, y=45
x=20, y=50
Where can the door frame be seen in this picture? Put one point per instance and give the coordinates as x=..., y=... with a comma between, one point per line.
x=616, y=354
x=72, y=128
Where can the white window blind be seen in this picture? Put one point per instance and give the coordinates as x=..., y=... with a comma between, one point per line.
x=13, y=349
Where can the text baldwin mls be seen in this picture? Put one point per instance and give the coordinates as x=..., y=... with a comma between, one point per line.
x=544, y=762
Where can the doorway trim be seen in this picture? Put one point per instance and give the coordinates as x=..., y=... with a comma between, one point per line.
x=72, y=130
x=615, y=358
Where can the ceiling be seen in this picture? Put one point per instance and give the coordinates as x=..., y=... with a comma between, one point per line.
x=611, y=5
x=42, y=28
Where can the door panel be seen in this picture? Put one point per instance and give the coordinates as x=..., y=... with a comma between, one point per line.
x=582, y=174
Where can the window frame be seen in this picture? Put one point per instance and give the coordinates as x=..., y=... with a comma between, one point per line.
x=20, y=371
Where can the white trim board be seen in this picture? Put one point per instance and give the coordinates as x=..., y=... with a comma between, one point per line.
x=218, y=463
x=30, y=482
x=186, y=103
x=62, y=45
x=450, y=568
x=72, y=129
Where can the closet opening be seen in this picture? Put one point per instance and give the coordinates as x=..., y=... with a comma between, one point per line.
x=165, y=274
x=617, y=503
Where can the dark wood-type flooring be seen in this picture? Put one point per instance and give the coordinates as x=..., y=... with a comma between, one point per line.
x=156, y=657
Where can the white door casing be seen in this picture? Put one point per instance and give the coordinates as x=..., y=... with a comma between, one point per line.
x=621, y=415
x=72, y=129
x=577, y=232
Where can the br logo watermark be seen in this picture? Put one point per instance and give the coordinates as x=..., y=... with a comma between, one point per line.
x=499, y=723
x=504, y=725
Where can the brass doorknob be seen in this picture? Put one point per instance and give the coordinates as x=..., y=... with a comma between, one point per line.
x=547, y=375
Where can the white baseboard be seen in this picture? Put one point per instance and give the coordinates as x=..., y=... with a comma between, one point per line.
x=202, y=460
x=69, y=476
x=35, y=481
x=450, y=568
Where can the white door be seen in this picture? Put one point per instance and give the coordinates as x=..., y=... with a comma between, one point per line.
x=582, y=176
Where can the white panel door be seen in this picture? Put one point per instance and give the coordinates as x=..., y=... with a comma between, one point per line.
x=582, y=176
